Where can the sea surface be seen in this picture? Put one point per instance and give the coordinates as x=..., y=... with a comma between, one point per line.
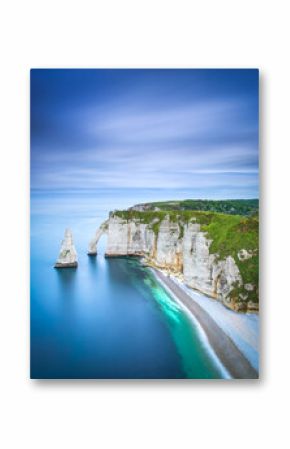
x=109, y=318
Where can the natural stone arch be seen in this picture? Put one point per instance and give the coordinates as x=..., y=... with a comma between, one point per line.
x=103, y=229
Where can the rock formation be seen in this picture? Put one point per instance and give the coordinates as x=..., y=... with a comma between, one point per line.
x=68, y=256
x=92, y=251
x=180, y=248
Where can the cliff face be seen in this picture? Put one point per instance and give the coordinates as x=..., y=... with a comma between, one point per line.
x=181, y=248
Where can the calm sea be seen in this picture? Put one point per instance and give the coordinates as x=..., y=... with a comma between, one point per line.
x=109, y=318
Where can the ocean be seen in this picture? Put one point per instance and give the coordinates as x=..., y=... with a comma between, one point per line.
x=109, y=318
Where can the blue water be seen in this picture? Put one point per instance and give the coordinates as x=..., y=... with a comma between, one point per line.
x=109, y=318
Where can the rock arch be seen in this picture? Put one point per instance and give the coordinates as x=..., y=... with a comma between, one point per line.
x=103, y=229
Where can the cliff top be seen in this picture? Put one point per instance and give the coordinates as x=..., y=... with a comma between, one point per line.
x=231, y=207
x=230, y=235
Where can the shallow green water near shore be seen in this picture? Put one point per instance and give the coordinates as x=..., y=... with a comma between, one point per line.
x=196, y=359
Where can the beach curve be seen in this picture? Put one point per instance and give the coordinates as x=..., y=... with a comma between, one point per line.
x=227, y=352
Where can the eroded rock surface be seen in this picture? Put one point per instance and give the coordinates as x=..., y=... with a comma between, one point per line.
x=68, y=256
x=243, y=254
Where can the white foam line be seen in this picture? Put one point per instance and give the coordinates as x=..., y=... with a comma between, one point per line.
x=242, y=342
x=202, y=334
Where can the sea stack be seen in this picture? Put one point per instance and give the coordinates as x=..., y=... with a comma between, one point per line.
x=68, y=256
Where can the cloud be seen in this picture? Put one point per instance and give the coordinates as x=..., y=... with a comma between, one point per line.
x=137, y=140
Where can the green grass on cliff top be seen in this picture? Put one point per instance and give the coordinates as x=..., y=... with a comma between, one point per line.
x=232, y=207
x=229, y=234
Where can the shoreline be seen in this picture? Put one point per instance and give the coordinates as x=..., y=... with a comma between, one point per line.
x=228, y=354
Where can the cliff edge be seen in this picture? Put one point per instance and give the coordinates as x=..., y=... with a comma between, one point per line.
x=216, y=254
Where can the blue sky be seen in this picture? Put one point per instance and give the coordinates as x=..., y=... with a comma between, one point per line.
x=193, y=132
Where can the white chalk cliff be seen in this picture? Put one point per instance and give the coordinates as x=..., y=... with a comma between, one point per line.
x=68, y=256
x=184, y=251
x=92, y=251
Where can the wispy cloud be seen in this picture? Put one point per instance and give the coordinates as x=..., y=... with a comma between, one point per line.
x=138, y=141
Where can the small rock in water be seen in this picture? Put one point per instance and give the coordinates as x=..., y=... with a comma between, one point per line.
x=68, y=256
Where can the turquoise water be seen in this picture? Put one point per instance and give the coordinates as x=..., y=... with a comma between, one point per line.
x=109, y=318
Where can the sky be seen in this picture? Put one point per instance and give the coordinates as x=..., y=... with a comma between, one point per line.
x=185, y=133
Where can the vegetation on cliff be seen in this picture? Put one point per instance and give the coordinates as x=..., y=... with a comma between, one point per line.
x=229, y=234
x=232, y=207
